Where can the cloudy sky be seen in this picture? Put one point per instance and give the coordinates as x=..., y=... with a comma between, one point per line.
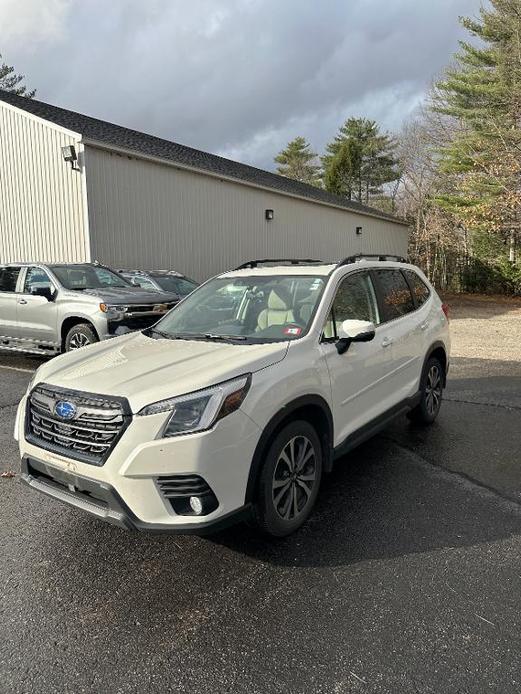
x=235, y=77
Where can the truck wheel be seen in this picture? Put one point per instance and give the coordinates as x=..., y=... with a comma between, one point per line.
x=80, y=335
x=289, y=480
x=431, y=390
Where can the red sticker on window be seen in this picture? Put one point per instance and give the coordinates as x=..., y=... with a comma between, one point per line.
x=292, y=331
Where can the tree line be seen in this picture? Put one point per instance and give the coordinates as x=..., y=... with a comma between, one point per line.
x=454, y=171
x=357, y=164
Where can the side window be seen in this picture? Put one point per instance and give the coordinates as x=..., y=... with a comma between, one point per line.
x=396, y=295
x=8, y=278
x=355, y=298
x=36, y=278
x=420, y=290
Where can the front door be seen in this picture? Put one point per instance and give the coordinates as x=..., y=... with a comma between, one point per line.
x=8, y=302
x=37, y=316
x=358, y=377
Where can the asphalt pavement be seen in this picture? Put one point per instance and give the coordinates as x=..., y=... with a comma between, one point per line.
x=406, y=579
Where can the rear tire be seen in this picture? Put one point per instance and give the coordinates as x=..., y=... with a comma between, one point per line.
x=80, y=335
x=289, y=480
x=431, y=392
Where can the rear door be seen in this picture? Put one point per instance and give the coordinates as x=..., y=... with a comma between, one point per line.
x=358, y=377
x=425, y=325
x=37, y=317
x=400, y=330
x=8, y=301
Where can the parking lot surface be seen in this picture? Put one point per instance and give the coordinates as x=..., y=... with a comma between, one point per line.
x=406, y=579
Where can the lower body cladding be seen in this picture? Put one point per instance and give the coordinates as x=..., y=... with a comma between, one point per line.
x=194, y=483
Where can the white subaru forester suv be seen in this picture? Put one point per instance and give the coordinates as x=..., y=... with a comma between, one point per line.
x=235, y=404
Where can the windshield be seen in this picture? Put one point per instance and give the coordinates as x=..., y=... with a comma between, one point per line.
x=79, y=277
x=245, y=309
x=176, y=285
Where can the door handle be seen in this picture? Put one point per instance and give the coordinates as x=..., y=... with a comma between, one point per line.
x=424, y=326
x=386, y=342
x=22, y=301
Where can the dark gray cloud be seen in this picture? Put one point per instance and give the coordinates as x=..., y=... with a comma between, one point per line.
x=238, y=77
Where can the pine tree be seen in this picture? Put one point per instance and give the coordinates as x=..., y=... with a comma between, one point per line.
x=11, y=82
x=481, y=96
x=360, y=161
x=296, y=161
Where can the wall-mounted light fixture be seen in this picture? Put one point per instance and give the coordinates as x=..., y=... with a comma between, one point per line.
x=358, y=231
x=269, y=214
x=69, y=154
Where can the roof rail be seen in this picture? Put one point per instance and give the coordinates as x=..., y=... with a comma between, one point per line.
x=376, y=256
x=289, y=261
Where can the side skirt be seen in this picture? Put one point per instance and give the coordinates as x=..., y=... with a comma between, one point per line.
x=28, y=346
x=369, y=430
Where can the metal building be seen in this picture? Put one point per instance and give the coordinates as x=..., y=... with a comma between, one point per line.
x=133, y=200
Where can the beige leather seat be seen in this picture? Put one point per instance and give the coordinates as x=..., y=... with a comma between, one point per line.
x=277, y=311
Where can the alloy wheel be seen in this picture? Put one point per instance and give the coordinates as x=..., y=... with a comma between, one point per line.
x=78, y=340
x=433, y=390
x=294, y=478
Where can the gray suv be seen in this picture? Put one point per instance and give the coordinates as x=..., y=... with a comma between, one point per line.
x=46, y=309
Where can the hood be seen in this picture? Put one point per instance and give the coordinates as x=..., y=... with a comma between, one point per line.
x=131, y=295
x=145, y=370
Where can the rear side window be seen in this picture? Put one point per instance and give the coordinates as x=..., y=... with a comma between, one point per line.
x=419, y=289
x=396, y=295
x=8, y=278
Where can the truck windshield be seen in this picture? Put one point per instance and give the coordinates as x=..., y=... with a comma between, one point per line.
x=79, y=277
x=245, y=309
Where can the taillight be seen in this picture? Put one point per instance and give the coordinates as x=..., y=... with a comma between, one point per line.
x=445, y=309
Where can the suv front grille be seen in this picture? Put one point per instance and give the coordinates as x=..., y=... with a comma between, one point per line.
x=90, y=435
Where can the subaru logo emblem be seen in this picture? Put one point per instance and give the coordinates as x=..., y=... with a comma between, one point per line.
x=65, y=410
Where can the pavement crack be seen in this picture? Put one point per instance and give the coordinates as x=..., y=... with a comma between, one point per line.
x=462, y=478
x=481, y=402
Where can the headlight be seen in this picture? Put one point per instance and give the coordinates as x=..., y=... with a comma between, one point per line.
x=109, y=308
x=200, y=410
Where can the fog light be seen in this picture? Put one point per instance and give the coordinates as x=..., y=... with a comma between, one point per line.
x=196, y=505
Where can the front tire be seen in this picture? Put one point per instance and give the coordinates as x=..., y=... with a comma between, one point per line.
x=289, y=480
x=79, y=336
x=431, y=392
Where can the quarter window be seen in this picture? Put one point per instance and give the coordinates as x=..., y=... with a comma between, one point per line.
x=8, y=278
x=420, y=290
x=396, y=295
x=355, y=299
x=36, y=278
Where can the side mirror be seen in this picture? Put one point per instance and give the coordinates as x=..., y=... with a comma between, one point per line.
x=46, y=292
x=134, y=281
x=354, y=331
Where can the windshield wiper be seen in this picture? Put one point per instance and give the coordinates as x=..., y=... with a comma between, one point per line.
x=196, y=336
x=211, y=336
x=149, y=331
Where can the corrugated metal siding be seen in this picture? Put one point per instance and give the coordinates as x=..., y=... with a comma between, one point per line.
x=148, y=215
x=41, y=202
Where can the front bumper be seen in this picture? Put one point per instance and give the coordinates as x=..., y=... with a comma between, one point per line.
x=127, y=489
x=103, y=501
